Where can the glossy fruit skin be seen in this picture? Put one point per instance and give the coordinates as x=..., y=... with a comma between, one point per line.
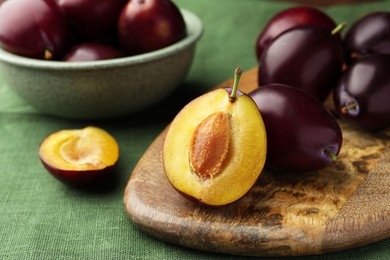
x=148, y=25
x=290, y=18
x=307, y=57
x=89, y=19
x=37, y=33
x=367, y=83
x=368, y=35
x=77, y=178
x=299, y=128
x=92, y=52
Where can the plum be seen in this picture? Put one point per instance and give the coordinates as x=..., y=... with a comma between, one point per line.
x=148, y=25
x=92, y=51
x=362, y=94
x=302, y=134
x=40, y=34
x=368, y=35
x=308, y=57
x=216, y=146
x=79, y=156
x=290, y=18
x=91, y=20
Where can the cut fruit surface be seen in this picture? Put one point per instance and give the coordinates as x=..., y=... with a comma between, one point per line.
x=215, y=148
x=73, y=154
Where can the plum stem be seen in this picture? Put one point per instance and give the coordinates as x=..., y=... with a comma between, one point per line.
x=237, y=75
x=331, y=154
x=345, y=109
x=338, y=28
x=48, y=55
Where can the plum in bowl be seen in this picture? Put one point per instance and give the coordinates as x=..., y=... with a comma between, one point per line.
x=104, y=88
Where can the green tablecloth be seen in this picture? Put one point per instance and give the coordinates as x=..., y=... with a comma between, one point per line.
x=41, y=218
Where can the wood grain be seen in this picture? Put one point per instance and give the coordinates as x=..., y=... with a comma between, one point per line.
x=342, y=206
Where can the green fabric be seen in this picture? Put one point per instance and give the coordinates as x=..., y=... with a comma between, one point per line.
x=41, y=218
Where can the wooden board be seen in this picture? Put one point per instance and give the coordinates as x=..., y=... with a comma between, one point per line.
x=342, y=206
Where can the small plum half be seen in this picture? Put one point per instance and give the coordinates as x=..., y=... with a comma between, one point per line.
x=302, y=135
x=215, y=148
x=79, y=156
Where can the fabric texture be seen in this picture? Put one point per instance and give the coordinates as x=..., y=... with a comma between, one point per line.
x=41, y=218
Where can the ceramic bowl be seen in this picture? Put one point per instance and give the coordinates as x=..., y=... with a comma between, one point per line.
x=102, y=89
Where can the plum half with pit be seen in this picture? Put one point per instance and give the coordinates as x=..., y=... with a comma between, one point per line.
x=368, y=35
x=302, y=135
x=34, y=29
x=307, y=57
x=290, y=18
x=362, y=95
x=216, y=146
x=92, y=51
x=148, y=25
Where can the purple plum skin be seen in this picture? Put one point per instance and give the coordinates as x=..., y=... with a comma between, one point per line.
x=149, y=25
x=290, y=18
x=91, y=20
x=92, y=52
x=368, y=35
x=34, y=29
x=307, y=57
x=300, y=130
x=366, y=83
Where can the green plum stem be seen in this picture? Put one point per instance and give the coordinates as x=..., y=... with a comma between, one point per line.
x=237, y=75
x=338, y=28
x=345, y=109
x=331, y=154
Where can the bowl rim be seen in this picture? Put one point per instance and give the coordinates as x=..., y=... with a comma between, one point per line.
x=194, y=31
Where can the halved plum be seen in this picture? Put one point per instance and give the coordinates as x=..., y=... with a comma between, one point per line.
x=79, y=156
x=215, y=148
